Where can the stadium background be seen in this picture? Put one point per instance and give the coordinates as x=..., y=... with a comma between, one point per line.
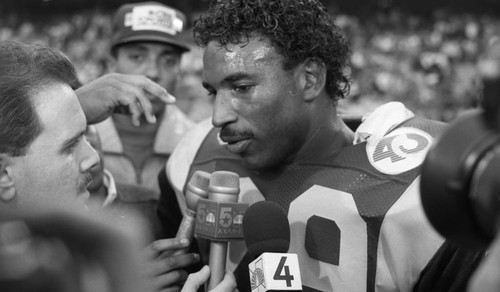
x=424, y=53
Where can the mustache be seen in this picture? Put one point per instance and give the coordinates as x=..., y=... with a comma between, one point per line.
x=86, y=180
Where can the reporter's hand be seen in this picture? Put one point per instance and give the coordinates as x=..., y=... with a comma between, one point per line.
x=163, y=271
x=123, y=93
x=196, y=280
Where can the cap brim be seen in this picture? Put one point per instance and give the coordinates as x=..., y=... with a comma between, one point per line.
x=152, y=38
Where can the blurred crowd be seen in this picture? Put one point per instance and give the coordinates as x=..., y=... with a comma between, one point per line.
x=429, y=63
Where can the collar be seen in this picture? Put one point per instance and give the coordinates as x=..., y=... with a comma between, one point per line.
x=324, y=142
x=109, y=183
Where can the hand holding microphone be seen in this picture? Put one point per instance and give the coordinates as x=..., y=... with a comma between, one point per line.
x=164, y=260
x=267, y=236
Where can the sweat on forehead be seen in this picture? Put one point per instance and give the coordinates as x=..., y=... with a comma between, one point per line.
x=255, y=52
x=249, y=58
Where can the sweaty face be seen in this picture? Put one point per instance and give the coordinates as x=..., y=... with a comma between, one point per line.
x=258, y=105
x=159, y=62
x=55, y=171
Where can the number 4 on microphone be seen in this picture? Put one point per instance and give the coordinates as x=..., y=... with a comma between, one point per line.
x=275, y=272
x=283, y=273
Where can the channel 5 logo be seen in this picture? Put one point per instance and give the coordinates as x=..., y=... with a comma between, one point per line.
x=219, y=220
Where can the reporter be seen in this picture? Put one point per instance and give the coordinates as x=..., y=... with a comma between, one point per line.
x=44, y=158
x=45, y=161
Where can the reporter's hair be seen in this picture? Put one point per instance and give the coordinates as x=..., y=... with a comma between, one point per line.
x=297, y=29
x=25, y=69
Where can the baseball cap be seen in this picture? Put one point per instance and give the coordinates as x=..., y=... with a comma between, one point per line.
x=148, y=21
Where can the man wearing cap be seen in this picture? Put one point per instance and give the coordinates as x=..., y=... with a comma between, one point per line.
x=145, y=42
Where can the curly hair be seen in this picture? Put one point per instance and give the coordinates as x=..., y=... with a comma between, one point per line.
x=297, y=29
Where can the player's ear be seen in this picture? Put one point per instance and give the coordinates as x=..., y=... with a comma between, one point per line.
x=7, y=188
x=315, y=78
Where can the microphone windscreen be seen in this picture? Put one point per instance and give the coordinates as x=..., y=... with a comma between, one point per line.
x=266, y=229
x=224, y=182
x=197, y=188
x=199, y=182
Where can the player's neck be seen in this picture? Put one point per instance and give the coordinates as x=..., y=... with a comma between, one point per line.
x=327, y=136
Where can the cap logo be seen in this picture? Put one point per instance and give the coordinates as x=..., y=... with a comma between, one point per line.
x=401, y=150
x=152, y=17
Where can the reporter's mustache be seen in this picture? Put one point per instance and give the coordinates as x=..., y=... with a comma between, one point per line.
x=86, y=180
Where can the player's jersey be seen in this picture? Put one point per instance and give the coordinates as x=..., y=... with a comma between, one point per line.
x=356, y=219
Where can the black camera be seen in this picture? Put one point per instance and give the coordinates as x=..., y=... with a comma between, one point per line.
x=460, y=182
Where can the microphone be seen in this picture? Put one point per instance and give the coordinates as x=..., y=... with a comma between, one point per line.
x=266, y=231
x=196, y=189
x=219, y=220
